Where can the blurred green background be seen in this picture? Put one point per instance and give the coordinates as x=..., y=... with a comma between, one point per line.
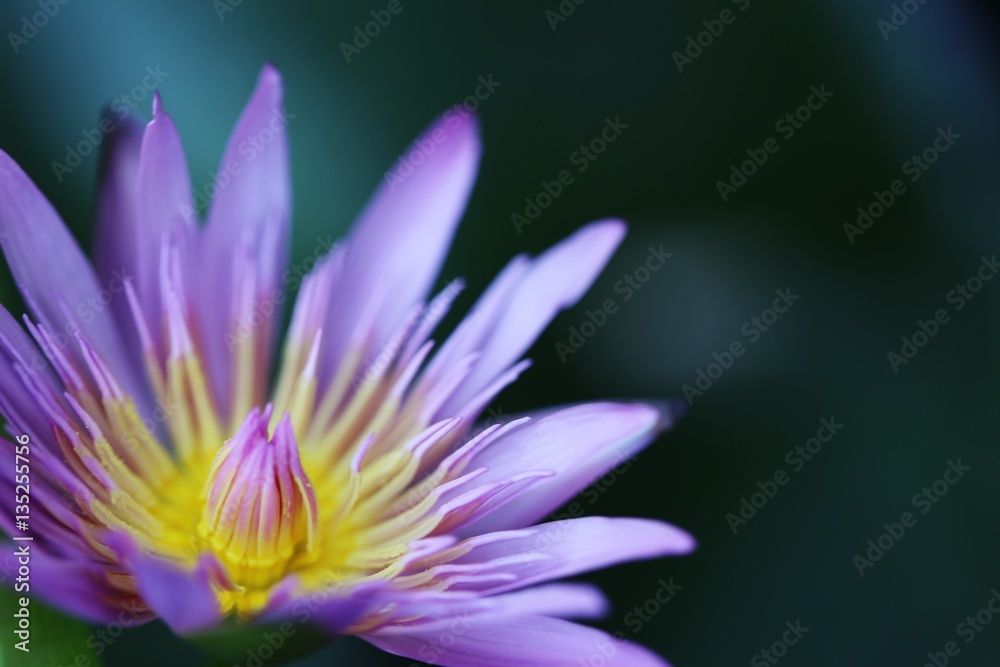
x=826, y=357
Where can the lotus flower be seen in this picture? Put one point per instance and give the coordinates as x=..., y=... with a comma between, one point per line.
x=172, y=479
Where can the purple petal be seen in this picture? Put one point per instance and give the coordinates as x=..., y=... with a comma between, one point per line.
x=475, y=327
x=183, y=599
x=56, y=279
x=334, y=610
x=507, y=326
x=340, y=606
x=566, y=548
x=115, y=239
x=578, y=444
x=116, y=228
x=463, y=506
x=164, y=210
x=70, y=585
x=560, y=600
x=525, y=641
x=252, y=209
x=400, y=240
x=18, y=351
x=54, y=518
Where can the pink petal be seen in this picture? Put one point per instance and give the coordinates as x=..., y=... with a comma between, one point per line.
x=17, y=351
x=334, y=609
x=164, y=210
x=252, y=206
x=475, y=328
x=183, y=599
x=578, y=444
x=525, y=641
x=117, y=226
x=56, y=279
x=565, y=548
x=400, y=240
x=560, y=600
x=73, y=586
x=508, y=320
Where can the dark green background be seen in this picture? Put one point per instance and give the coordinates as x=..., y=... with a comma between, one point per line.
x=825, y=357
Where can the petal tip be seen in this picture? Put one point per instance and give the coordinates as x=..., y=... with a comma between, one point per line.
x=461, y=130
x=683, y=542
x=269, y=80
x=270, y=72
x=611, y=230
x=662, y=538
x=670, y=411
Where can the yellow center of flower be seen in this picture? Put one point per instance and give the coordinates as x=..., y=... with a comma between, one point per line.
x=327, y=487
x=260, y=515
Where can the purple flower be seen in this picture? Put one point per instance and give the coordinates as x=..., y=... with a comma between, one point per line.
x=171, y=479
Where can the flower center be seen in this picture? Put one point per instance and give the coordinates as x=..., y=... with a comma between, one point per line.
x=260, y=514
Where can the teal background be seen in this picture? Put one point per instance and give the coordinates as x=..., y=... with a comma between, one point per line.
x=783, y=229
